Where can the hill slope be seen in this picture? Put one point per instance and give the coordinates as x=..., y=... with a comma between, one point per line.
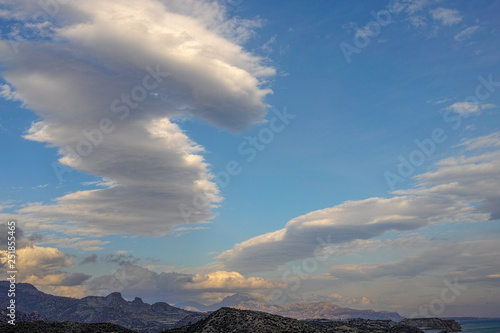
x=230, y=320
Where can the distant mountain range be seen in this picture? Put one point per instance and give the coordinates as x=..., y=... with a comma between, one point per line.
x=40, y=312
x=319, y=310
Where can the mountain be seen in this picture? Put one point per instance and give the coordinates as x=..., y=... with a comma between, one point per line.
x=319, y=310
x=232, y=320
x=135, y=315
x=328, y=310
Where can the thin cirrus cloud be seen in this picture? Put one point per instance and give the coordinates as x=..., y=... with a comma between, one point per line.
x=462, y=189
x=92, y=68
x=466, y=33
x=469, y=108
x=446, y=16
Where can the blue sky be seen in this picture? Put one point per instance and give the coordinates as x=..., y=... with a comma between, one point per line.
x=235, y=68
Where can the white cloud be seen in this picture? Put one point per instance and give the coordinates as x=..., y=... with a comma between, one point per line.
x=472, y=178
x=349, y=221
x=466, y=33
x=43, y=267
x=418, y=22
x=463, y=188
x=100, y=55
x=467, y=108
x=446, y=16
x=487, y=141
x=224, y=281
x=7, y=93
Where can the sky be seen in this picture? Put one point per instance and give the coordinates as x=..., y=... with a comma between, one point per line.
x=296, y=151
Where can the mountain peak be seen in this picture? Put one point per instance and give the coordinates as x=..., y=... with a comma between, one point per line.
x=116, y=296
x=137, y=300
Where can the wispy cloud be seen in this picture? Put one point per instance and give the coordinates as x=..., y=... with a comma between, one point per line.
x=468, y=108
x=466, y=33
x=446, y=16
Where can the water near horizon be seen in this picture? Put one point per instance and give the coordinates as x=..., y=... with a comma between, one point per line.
x=489, y=325
x=480, y=325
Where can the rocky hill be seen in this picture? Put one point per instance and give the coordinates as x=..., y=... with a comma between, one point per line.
x=233, y=320
x=246, y=321
x=449, y=325
x=135, y=315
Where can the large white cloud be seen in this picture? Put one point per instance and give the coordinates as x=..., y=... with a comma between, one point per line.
x=121, y=72
x=462, y=188
x=364, y=219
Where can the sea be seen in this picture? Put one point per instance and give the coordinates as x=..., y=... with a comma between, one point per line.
x=480, y=325
x=473, y=325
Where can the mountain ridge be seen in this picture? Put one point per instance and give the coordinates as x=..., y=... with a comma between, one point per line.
x=301, y=310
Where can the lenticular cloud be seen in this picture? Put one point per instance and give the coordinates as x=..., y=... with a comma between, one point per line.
x=109, y=81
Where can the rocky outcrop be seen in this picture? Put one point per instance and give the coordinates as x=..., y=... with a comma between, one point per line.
x=246, y=321
x=233, y=320
x=434, y=323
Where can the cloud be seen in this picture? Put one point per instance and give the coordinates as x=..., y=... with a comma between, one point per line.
x=121, y=259
x=352, y=220
x=174, y=287
x=487, y=141
x=75, y=243
x=339, y=299
x=44, y=267
x=466, y=33
x=89, y=260
x=418, y=22
x=410, y=6
x=7, y=93
x=471, y=178
x=468, y=108
x=462, y=188
x=110, y=82
x=469, y=260
x=446, y=16
x=228, y=281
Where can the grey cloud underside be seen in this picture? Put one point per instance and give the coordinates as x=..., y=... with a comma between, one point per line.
x=468, y=260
